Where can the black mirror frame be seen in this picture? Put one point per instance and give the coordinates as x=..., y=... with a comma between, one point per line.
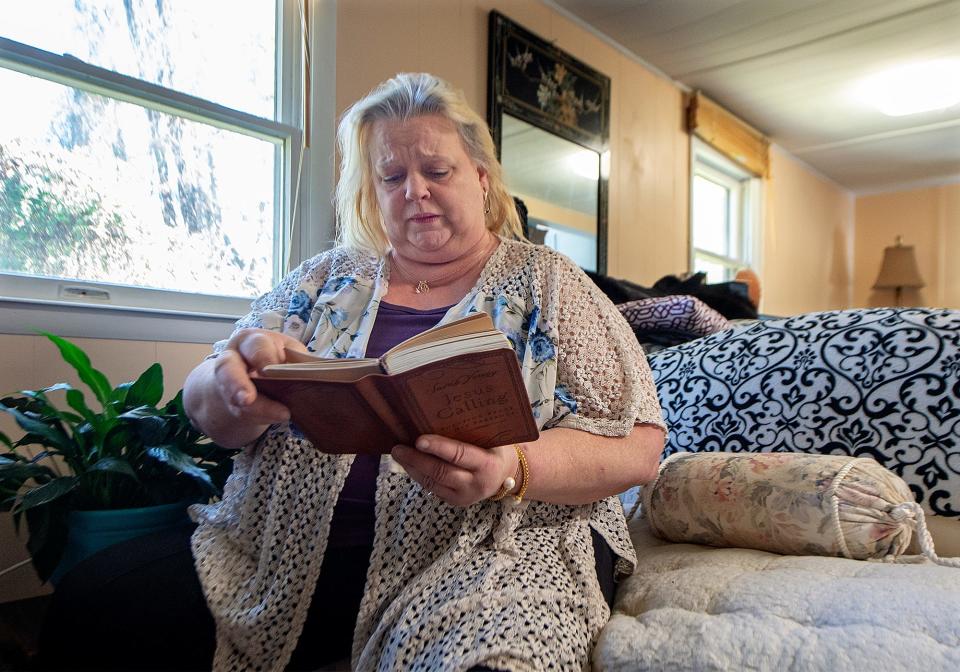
x=591, y=91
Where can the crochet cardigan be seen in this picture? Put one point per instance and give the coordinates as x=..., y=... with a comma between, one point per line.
x=511, y=586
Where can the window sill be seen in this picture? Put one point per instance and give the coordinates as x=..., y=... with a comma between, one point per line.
x=80, y=320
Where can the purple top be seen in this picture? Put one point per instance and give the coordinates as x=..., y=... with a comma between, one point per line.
x=353, y=516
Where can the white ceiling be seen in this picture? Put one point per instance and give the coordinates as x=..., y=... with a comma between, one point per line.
x=790, y=67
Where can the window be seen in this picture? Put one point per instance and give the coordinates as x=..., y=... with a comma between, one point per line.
x=150, y=152
x=724, y=212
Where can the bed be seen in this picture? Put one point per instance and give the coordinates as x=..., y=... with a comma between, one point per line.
x=878, y=383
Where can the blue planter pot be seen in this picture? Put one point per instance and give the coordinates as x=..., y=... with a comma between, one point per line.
x=92, y=531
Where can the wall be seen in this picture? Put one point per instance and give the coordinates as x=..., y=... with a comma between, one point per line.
x=649, y=149
x=928, y=219
x=807, y=240
x=809, y=219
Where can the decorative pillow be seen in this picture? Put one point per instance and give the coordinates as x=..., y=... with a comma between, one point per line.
x=668, y=320
x=880, y=383
x=788, y=503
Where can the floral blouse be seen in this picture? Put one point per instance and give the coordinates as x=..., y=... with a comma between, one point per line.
x=510, y=586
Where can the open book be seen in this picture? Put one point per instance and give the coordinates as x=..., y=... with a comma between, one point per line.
x=460, y=380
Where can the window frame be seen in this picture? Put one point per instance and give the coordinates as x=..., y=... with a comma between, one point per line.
x=744, y=213
x=73, y=308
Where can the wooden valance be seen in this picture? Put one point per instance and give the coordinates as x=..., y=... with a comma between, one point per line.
x=728, y=134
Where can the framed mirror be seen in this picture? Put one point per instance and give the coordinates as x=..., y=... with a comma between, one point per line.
x=550, y=115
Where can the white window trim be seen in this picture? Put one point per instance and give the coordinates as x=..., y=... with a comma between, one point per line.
x=77, y=309
x=749, y=201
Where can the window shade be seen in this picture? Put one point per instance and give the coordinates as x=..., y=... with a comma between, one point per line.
x=728, y=134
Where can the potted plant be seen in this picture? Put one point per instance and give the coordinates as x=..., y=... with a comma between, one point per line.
x=121, y=469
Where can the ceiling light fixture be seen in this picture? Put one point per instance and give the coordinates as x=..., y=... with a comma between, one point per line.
x=914, y=88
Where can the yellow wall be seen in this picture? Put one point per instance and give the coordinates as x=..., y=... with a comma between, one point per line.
x=807, y=240
x=928, y=219
x=649, y=149
x=809, y=220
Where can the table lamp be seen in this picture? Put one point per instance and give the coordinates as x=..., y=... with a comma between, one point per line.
x=899, y=269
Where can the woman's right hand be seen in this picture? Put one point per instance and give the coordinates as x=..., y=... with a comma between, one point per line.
x=220, y=397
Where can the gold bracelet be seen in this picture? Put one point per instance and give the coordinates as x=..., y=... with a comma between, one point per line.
x=507, y=486
x=524, y=473
x=522, y=476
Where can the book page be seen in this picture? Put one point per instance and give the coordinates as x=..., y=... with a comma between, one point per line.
x=297, y=357
x=304, y=366
x=471, y=324
x=474, y=333
x=397, y=362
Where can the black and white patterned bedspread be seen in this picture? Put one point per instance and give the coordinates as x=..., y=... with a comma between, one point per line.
x=881, y=383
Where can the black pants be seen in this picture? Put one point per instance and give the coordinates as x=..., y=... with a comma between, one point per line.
x=138, y=605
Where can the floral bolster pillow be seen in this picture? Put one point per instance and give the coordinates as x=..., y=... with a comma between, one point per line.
x=791, y=503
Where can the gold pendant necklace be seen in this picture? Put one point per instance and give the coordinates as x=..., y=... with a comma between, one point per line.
x=422, y=286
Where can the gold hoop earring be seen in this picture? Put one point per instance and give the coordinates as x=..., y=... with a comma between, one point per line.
x=486, y=206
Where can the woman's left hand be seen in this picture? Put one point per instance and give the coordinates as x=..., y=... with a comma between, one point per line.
x=459, y=473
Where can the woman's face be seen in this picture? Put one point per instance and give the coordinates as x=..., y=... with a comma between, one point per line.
x=430, y=192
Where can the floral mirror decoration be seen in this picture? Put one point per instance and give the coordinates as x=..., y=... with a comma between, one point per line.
x=549, y=114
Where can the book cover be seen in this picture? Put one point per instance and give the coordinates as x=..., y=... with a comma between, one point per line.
x=466, y=386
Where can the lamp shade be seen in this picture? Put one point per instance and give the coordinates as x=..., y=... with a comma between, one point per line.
x=899, y=268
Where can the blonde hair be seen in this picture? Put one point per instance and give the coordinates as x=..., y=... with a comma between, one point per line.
x=408, y=95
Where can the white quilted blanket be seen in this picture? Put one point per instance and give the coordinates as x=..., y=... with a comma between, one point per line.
x=693, y=607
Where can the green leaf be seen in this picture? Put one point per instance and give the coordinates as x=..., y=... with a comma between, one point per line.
x=141, y=412
x=77, y=402
x=5, y=440
x=53, y=388
x=147, y=390
x=30, y=402
x=42, y=455
x=175, y=407
x=78, y=359
x=46, y=493
x=43, y=407
x=94, y=431
x=176, y=459
x=121, y=441
x=11, y=471
x=152, y=429
x=13, y=475
x=120, y=393
x=116, y=466
x=51, y=435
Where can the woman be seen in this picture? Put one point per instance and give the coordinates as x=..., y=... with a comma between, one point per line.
x=460, y=575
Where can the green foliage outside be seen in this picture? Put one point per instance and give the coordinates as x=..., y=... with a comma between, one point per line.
x=48, y=218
